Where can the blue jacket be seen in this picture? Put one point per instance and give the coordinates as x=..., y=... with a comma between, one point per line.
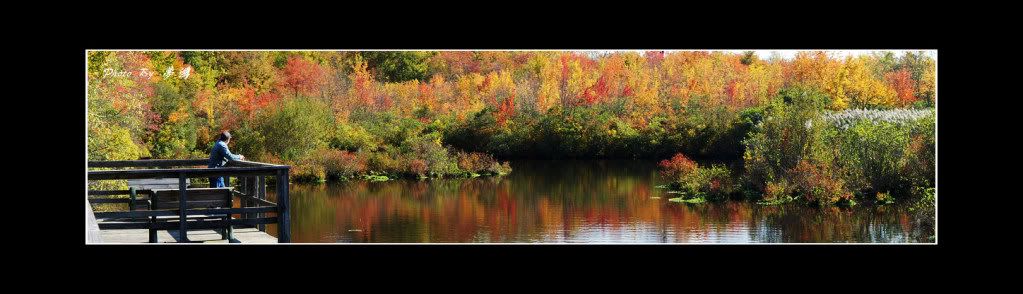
x=220, y=155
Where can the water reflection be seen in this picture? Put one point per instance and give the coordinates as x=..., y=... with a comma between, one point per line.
x=567, y=202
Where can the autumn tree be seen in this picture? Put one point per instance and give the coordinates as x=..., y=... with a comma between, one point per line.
x=549, y=73
x=862, y=86
x=904, y=85
x=303, y=77
x=398, y=66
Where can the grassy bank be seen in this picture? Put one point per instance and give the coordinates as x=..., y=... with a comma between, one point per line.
x=801, y=151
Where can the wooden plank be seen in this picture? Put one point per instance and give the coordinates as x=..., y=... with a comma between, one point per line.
x=195, y=194
x=171, y=163
x=189, y=172
x=194, y=224
x=107, y=192
x=92, y=232
x=120, y=200
x=161, y=187
x=194, y=204
x=174, y=212
x=241, y=235
x=156, y=184
x=149, y=163
x=197, y=198
x=161, y=181
x=250, y=163
x=254, y=236
x=135, y=214
x=101, y=193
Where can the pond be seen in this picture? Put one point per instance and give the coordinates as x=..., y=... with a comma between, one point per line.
x=568, y=201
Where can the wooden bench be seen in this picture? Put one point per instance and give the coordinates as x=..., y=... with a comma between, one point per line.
x=198, y=198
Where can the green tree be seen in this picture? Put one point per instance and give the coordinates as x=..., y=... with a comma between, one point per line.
x=398, y=66
x=289, y=131
x=749, y=57
x=209, y=65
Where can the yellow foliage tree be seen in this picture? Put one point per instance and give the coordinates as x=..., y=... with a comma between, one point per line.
x=928, y=81
x=549, y=94
x=863, y=87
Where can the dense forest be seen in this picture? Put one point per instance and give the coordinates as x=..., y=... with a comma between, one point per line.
x=816, y=127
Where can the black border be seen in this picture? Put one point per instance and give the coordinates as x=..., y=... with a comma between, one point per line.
x=789, y=258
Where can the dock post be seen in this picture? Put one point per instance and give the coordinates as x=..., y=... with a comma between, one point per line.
x=131, y=203
x=249, y=187
x=283, y=223
x=261, y=195
x=182, y=206
x=152, y=219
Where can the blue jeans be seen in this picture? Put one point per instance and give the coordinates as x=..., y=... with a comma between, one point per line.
x=217, y=182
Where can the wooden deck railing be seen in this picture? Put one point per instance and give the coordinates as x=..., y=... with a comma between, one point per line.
x=251, y=190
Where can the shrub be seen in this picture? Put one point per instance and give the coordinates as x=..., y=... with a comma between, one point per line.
x=339, y=164
x=776, y=191
x=677, y=166
x=481, y=163
x=818, y=183
x=715, y=181
x=307, y=171
x=326, y=163
x=499, y=169
x=830, y=155
x=885, y=151
x=789, y=133
x=382, y=162
x=883, y=198
x=874, y=152
x=113, y=143
x=353, y=138
x=291, y=130
x=924, y=213
x=695, y=181
x=427, y=147
x=919, y=158
x=418, y=167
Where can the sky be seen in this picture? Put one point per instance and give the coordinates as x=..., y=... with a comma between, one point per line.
x=789, y=54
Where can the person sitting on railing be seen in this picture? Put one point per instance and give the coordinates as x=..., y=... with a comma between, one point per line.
x=220, y=156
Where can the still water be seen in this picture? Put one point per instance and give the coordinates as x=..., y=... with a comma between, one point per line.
x=563, y=201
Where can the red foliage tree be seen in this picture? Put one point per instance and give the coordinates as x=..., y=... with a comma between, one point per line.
x=505, y=110
x=627, y=92
x=426, y=96
x=902, y=82
x=251, y=102
x=598, y=92
x=303, y=77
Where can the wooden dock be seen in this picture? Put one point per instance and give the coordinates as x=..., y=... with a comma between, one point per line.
x=241, y=235
x=163, y=206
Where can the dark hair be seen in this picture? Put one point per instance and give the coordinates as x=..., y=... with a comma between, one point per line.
x=224, y=136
